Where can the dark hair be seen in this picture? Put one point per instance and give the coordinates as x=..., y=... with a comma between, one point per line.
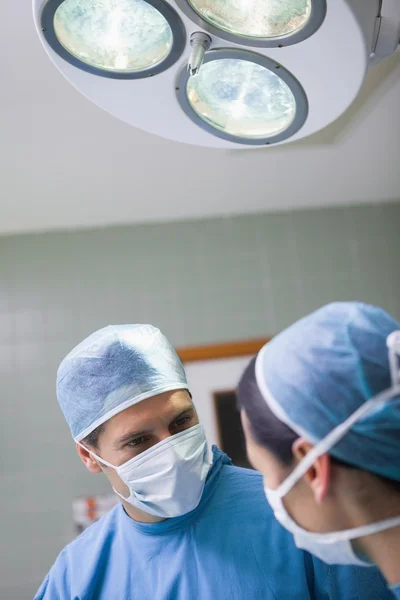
x=93, y=438
x=266, y=428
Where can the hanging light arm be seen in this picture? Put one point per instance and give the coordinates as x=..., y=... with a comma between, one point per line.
x=387, y=31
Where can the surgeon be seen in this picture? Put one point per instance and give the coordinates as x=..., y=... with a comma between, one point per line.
x=189, y=525
x=321, y=413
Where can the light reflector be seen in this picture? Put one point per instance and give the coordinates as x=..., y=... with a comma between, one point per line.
x=114, y=35
x=255, y=18
x=241, y=98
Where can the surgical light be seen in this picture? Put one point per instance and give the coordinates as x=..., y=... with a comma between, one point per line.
x=239, y=96
x=242, y=98
x=219, y=73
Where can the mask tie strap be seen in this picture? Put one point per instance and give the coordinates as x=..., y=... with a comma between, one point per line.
x=104, y=462
x=334, y=437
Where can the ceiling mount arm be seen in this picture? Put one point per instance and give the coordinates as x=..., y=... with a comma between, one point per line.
x=387, y=35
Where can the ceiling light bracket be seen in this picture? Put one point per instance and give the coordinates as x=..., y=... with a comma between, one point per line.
x=387, y=31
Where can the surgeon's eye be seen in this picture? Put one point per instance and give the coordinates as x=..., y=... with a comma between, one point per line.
x=182, y=422
x=137, y=441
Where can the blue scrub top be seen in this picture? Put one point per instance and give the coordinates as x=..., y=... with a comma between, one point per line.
x=229, y=548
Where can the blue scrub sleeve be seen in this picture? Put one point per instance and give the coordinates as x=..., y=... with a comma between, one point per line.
x=56, y=584
x=42, y=594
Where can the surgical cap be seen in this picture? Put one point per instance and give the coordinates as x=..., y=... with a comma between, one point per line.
x=112, y=369
x=320, y=370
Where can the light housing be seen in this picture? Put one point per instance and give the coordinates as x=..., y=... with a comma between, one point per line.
x=329, y=66
x=271, y=102
x=104, y=35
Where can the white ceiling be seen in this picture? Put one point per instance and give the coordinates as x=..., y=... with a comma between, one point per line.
x=66, y=164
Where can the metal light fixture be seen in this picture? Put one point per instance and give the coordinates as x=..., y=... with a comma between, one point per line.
x=219, y=73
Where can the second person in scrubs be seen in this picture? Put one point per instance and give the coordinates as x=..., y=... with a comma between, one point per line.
x=321, y=413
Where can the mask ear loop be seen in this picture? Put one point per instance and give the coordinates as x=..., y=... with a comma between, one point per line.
x=334, y=437
x=104, y=462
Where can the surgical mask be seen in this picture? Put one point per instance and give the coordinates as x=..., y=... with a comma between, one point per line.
x=168, y=479
x=336, y=547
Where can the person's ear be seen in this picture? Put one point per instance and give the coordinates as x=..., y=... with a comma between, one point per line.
x=88, y=460
x=319, y=475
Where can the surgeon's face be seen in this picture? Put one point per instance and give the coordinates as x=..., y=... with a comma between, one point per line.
x=138, y=428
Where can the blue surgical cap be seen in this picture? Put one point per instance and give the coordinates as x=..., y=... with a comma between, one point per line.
x=320, y=370
x=112, y=369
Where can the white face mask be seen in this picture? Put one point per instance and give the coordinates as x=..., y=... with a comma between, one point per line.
x=335, y=547
x=168, y=479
